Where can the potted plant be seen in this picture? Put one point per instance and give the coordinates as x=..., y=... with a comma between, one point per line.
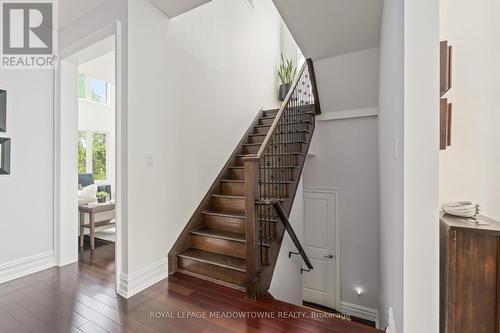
x=286, y=74
x=102, y=197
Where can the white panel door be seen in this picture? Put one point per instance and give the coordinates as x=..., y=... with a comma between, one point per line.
x=320, y=234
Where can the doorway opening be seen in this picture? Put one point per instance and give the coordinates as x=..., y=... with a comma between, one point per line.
x=96, y=160
x=88, y=153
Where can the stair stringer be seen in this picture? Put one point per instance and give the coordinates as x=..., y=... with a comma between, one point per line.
x=183, y=240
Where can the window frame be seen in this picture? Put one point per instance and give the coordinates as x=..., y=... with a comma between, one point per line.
x=88, y=90
x=89, y=153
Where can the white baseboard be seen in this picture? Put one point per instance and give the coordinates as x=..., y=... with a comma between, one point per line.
x=131, y=284
x=359, y=311
x=21, y=267
x=392, y=323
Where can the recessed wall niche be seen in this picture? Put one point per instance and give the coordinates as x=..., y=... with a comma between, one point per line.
x=4, y=156
x=3, y=111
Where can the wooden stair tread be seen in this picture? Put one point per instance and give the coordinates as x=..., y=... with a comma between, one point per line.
x=266, y=182
x=286, y=123
x=230, y=214
x=227, y=235
x=226, y=196
x=274, y=144
x=291, y=153
x=216, y=259
x=288, y=116
x=267, y=167
x=224, y=214
x=233, y=236
x=279, y=133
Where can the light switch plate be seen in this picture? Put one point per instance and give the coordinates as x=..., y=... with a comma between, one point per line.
x=150, y=160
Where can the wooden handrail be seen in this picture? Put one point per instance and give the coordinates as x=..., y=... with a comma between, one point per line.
x=314, y=85
x=276, y=121
x=288, y=227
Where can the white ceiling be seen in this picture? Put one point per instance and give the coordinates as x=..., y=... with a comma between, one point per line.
x=70, y=10
x=172, y=8
x=102, y=67
x=328, y=28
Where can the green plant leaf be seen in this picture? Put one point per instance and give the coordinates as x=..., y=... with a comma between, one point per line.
x=286, y=70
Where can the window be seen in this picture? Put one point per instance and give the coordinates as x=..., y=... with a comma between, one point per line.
x=92, y=154
x=82, y=86
x=93, y=90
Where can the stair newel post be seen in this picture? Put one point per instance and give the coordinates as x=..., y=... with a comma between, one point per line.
x=251, y=227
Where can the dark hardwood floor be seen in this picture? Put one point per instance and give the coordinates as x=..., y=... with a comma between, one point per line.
x=81, y=298
x=326, y=309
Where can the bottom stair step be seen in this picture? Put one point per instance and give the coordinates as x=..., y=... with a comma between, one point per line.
x=212, y=265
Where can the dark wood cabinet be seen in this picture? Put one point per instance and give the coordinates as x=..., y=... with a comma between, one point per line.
x=469, y=275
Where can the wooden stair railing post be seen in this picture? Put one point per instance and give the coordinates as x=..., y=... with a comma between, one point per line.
x=251, y=228
x=314, y=86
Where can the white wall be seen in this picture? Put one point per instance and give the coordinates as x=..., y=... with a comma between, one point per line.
x=345, y=157
x=475, y=141
x=30, y=184
x=198, y=80
x=287, y=280
x=348, y=81
x=421, y=166
x=390, y=137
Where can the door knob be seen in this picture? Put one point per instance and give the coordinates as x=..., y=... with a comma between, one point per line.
x=330, y=256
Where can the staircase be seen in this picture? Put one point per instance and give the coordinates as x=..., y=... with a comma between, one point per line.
x=235, y=234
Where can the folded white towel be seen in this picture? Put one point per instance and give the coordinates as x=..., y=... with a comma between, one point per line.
x=461, y=208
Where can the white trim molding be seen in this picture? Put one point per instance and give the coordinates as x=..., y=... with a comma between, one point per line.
x=22, y=267
x=346, y=114
x=129, y=285
x=392, y=323
x=359, y=311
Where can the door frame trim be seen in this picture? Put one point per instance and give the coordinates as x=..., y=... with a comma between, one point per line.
x=337, y=192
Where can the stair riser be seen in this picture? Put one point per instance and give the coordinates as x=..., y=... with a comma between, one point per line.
x=267, y=121
x=215, y=272
x=250, y=149
x=224, y=223
x=262, y=130
x=238, y=174
x=232, y=188
x=278, y=148
x=256, y=139
x=220, y=246
x=269, y=113
x=229, y=205
x=231, y=224
x=224, y=246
